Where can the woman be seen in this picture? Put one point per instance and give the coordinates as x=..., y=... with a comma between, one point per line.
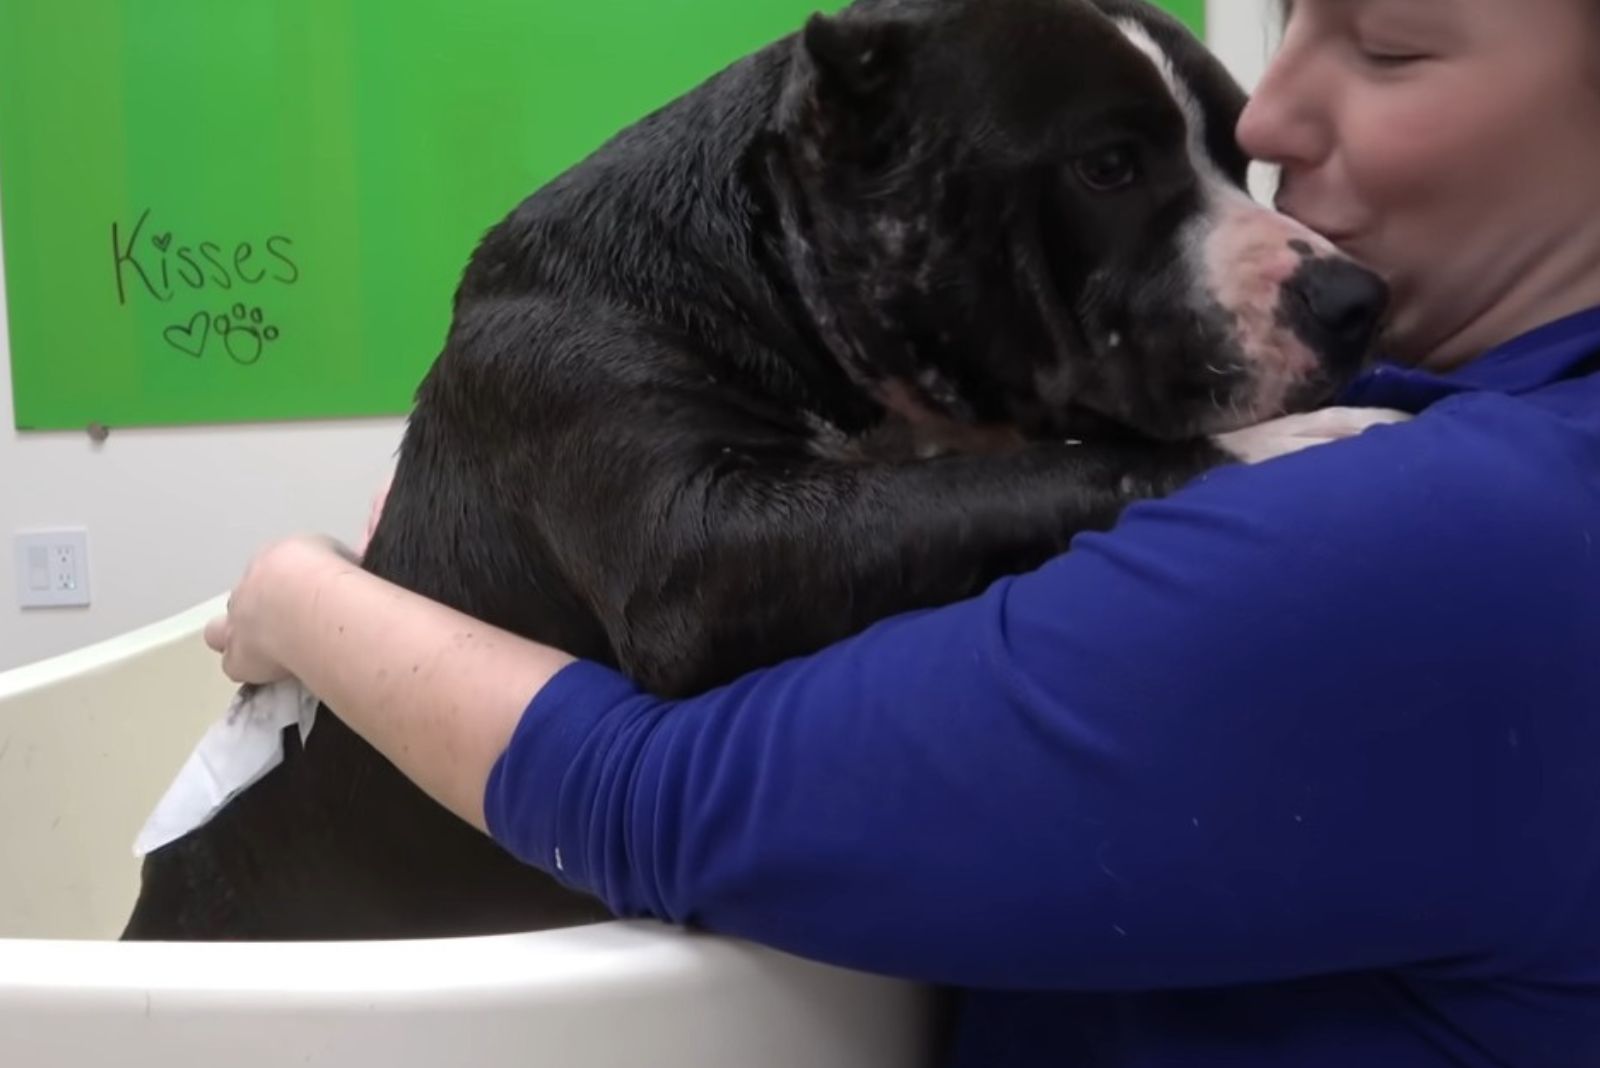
x=1299, y=767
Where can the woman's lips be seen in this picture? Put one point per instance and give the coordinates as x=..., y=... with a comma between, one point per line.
x=1336, y=234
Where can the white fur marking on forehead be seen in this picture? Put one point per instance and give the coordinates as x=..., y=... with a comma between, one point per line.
x=1140, y=38
x=1194, y=118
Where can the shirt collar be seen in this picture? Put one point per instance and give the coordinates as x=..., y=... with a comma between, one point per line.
x=1526, y=363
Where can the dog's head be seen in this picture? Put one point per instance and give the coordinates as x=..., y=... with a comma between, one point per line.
x=1032, y=212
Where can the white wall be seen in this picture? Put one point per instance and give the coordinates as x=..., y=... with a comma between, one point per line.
x=174, y=514
x=1242, y=32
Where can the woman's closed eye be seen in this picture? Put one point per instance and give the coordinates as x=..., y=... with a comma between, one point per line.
x=1389, y=58
x=1400, y=34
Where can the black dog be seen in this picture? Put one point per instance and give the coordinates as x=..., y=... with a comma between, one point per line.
x=882, y=312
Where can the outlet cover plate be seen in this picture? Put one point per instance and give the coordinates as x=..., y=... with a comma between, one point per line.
x=52, y=568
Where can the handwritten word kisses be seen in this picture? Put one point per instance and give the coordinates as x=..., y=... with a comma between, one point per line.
x=155, y=265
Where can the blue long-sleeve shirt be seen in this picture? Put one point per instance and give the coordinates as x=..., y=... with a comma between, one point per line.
x=1299, y=767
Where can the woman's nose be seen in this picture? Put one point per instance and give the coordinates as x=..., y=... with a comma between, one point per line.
x=1281, y=124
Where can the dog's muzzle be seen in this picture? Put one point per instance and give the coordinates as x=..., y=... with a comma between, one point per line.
x=1335, y=306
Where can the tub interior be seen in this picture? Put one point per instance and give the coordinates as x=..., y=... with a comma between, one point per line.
x=88, y=743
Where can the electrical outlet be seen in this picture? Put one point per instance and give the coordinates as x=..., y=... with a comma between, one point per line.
x=52, y=568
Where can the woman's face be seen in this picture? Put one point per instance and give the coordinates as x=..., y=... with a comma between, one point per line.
x=1453, y=146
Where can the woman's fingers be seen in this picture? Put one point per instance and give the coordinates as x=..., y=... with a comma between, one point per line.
x=217, y=634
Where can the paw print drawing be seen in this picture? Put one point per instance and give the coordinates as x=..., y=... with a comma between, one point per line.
x=245, y=333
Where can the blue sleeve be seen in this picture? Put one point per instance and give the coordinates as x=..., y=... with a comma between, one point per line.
x=1307, y=717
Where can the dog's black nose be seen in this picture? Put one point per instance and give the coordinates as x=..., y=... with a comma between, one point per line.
x=1342, y=303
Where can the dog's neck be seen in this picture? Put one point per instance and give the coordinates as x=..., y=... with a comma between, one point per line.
x=842, y=278
x=752, y=291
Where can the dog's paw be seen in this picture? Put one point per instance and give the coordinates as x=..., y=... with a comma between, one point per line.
x=1291, y=433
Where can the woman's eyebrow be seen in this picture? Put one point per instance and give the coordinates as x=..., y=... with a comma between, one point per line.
x=1362, y=6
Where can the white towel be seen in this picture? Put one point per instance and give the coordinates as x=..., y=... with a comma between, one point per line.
x=241, y=747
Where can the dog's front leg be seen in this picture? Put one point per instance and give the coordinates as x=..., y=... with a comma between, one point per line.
x=752, y=563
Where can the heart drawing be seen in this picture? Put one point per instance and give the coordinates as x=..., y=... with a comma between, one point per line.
x=191, y=339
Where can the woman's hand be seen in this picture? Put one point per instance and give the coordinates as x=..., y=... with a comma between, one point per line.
x=436, y=692
x=1289, y=434
x=281, y=578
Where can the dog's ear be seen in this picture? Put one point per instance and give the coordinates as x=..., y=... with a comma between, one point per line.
x=853, y=55
x=839, y=88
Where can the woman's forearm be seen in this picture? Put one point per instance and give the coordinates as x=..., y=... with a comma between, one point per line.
x=436, y=692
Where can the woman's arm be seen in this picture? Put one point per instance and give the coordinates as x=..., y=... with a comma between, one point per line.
x=1326, y=715
x=438, y=692
x=435, y=691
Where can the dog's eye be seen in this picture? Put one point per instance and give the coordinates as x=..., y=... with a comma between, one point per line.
x=1106, y=170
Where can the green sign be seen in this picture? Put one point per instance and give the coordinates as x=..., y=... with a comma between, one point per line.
x=1192, y=12
x=243, y=210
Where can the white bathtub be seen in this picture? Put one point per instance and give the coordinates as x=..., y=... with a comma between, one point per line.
x=88, y=741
